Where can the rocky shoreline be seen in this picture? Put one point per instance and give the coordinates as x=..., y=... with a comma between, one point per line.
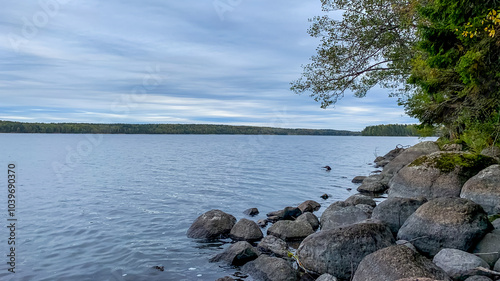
x=438, y=223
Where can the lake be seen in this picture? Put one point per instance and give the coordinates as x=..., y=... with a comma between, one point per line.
x=111, y=207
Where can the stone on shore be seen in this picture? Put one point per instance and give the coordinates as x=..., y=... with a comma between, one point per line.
x=337, y=215
x=309, y=206
x=358, y=179
x=408, y=156
x=290, y=230
x=326, y=277
x=458, y=264
x=237, y=254
x=394, y=211
x=339, y=251
x=271, y=269
x=478, y=278
x=445, y=223
x=440, y=174
x=214, y=224
x=251, y=212
x=484, y=188
x=397, y=262
x=357, y=199
x=374, y=184
x=382, y=161
x=310, y=218
x=497, y=266
x=273, y=245
x=247, y=230
x=489, y=248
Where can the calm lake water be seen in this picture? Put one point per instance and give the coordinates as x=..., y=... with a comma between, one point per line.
x=111, y=207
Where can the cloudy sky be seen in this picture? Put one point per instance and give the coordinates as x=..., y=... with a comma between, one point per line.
x=161, y=61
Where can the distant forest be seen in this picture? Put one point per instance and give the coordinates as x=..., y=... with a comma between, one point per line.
x=390, y=130
x=86, y=128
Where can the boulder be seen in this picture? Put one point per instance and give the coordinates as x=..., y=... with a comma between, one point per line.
x=440, y=174
x=309, y=206
x=214, y=224
x=397, y=262
x=478, y=278
x=382, y=161
x=271, y=269
x=336, y=215
x=374, y=184
x=394, y=211
x=492, y=151
x=338, y=251
x=496, y=224
x=274, y=246
x=489, y=248
x=497, y=266
x=310, y=218
x=445, y=223
x=452, y=147
x=484, y=188
x=458, y=264
x=251, y=212
x=408, y=156
x=358, y=179
x=291, y=213
x=290, y=230
x=247, y=230
x=262, y=223
x=357, y=199
x=326, y=277
x=237, y=254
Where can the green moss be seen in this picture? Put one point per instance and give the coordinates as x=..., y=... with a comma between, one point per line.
x=492, y=218
x=448, y=162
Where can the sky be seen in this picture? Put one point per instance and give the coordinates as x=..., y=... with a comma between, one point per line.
x=164, y=61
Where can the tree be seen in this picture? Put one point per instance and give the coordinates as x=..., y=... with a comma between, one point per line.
x=372, y=44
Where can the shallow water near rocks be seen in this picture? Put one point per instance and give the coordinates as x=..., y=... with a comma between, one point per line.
x=114, y=207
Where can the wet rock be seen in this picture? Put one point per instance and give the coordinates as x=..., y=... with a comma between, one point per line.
x=291, y=213
x=458, y=264
x=273, y=245
x=484, y=188
x=309, y=218
x=251, y=212
x=440, y=174
x=338, y=251
x=357, y=199
x=309, y=206
x=214, y=224
x=358, y=179
x=374, y=184
x=326, y=277
x=324, y=196
x=445, y=223
x=279, y=214
x=336, y=215
x=262, y=223
x=489, y=248
x=394, y=211
x=395, y=263
x=237, y=254
x=271, y=269
x=408, y=156
x=290, y=230
x=247, y=230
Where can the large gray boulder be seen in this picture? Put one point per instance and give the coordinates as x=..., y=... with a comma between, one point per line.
x=267, y=268
x=458, y=264
x=237, y=254
x=310, y=218
x=478, y=278
x=339, y=251
x=381, y=161
x=484, y=188
x=489, y=248
x=247, y=230
x=309, y=206
x=274, y=246
x=440, y=174
x=397, y=262
x=374, y=184
x=290, y=230
x=340, y=215
x=394, y=211
x=445, y=223
x=214, y=224
x=358, y=199
x=408, y=156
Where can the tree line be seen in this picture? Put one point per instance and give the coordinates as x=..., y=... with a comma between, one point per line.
x=391, y=130
x=89, y=128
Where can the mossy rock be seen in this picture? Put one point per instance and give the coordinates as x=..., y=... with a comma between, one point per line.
x=448, y=162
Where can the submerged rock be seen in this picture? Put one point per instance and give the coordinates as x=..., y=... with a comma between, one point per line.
x=338, y=251
x=397, y=262
x=445, y=223
x=214, y=224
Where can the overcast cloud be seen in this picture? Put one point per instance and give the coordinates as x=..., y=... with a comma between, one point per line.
x=157, y=61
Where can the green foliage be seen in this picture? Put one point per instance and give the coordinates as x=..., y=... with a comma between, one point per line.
x=83, y=128
x=390, y=130
x=372, y=44
x=448, y=162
